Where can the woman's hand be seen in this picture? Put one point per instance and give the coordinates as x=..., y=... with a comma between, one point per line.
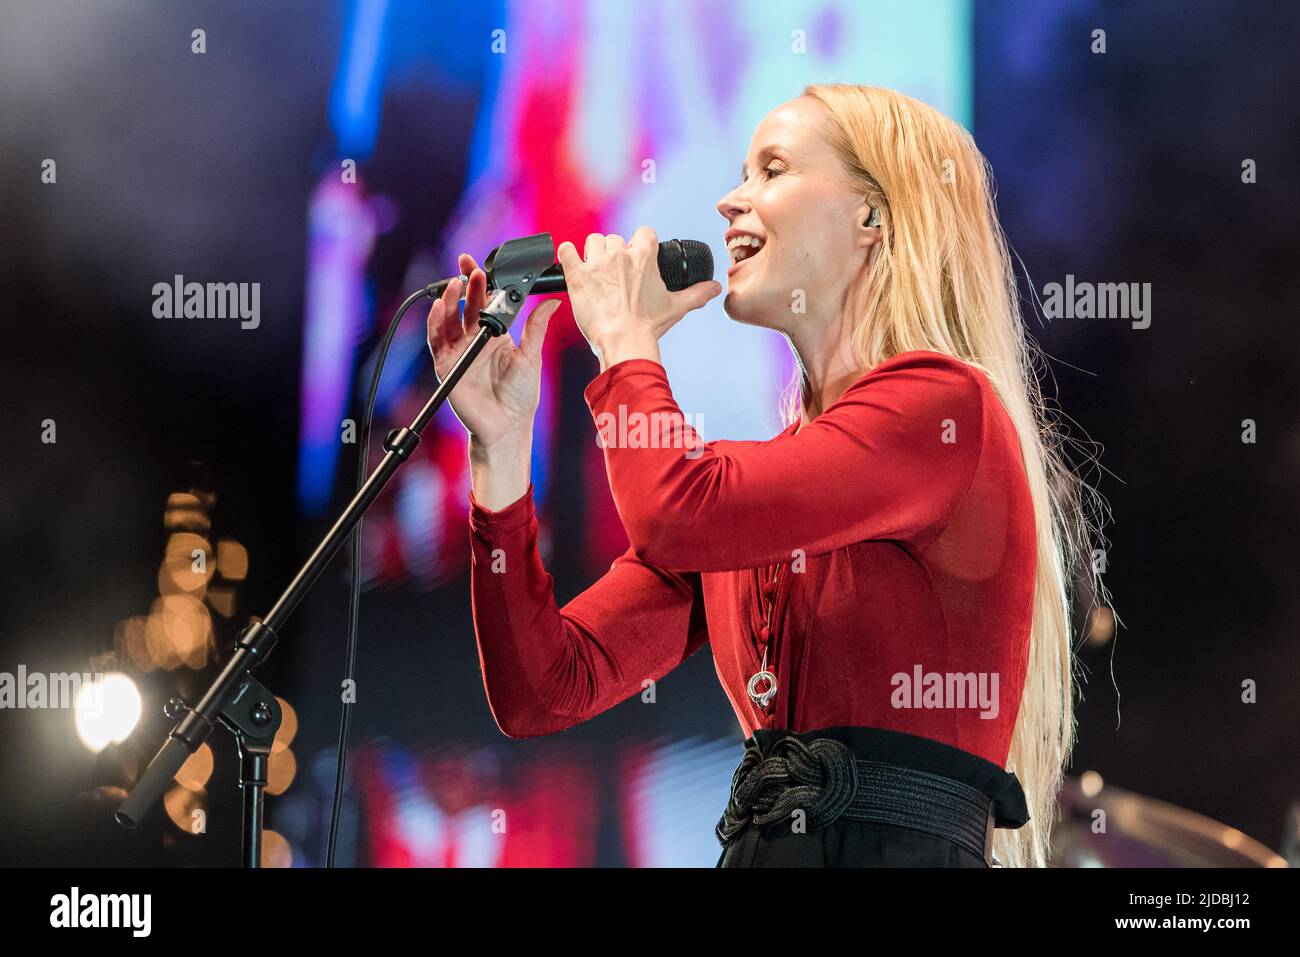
x=619, y=299
x=496, y=399
x=498, y=394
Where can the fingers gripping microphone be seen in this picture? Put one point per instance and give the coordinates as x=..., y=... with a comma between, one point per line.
x=682, y=263
x=527, y=265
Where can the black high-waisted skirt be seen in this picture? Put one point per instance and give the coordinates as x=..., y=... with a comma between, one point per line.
x=864, y=797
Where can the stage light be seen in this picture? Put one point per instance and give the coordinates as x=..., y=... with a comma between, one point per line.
x=1090, y=783
x=196, y=770
x=185, y=512
x=288, y=724
x=280, y=771
x=276, y=851
x=232, y=560
x=221, y=599
x=131, y=645
x=187, y=809
x=107, y=711
x=187, y=565
x=1101, y=625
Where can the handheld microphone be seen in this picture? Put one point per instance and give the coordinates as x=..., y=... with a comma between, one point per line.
x=682, y=263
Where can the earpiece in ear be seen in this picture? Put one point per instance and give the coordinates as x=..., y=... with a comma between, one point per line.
x=875, y=217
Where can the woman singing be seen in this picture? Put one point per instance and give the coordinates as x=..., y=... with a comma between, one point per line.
x=883, y=583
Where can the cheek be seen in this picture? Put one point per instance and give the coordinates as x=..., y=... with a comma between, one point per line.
x=810, y=240
x=807, y=257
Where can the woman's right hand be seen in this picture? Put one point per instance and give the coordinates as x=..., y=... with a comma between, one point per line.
x=496, y=399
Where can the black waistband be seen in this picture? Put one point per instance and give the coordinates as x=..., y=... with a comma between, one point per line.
x=870, y=774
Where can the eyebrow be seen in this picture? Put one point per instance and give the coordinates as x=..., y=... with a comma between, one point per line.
x=770, y=150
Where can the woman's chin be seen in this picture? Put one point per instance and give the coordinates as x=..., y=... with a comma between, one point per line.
x=738, y=307
x=733, y=304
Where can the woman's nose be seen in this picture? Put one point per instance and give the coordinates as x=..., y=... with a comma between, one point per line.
x=731, y=206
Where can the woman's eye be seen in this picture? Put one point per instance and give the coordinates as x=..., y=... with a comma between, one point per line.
x=772, y=172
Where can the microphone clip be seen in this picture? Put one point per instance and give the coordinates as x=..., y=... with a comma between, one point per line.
x=512, y=269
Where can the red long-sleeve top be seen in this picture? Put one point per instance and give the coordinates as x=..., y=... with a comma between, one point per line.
x=898, y=528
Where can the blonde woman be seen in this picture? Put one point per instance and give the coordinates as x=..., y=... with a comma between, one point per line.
x=883, y=583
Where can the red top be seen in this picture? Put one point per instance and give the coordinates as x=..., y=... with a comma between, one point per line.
x=901, y=522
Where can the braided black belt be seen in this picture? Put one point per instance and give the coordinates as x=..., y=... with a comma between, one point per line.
x=825, y=781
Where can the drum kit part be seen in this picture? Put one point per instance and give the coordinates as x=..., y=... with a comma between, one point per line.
x=1104, y=826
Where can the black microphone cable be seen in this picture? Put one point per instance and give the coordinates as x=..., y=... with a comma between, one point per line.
x=432, y=291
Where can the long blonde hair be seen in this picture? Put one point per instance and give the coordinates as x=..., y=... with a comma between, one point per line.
x=943, y=281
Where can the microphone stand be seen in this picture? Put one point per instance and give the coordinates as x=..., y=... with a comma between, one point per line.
x=241, y=703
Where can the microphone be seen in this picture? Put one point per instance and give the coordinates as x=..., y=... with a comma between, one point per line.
x=682, y=263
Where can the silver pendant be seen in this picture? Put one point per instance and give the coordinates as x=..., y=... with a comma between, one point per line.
x=762, y=698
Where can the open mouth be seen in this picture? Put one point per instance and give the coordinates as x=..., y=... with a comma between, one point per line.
x=743, y=248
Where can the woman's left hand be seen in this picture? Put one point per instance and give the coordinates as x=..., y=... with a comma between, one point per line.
x=619, y=299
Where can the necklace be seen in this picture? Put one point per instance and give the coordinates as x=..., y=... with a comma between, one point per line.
x=762, y=684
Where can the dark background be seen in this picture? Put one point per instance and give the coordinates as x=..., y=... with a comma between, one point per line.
x=1117, y=168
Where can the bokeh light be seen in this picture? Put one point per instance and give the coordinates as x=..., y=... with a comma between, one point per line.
x=187, y=809
x=1101, y=625
x=281, y=769
x=107, y=711
x=196, y=770
x=185, y=512
x=288, y=724
x=275, y=850
x=1091, y=783
x=232, y=560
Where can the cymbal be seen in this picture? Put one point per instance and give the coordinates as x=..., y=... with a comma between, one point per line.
x=1105, y=826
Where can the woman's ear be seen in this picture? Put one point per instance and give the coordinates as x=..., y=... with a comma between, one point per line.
x=874, y=239
x=871, y=218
